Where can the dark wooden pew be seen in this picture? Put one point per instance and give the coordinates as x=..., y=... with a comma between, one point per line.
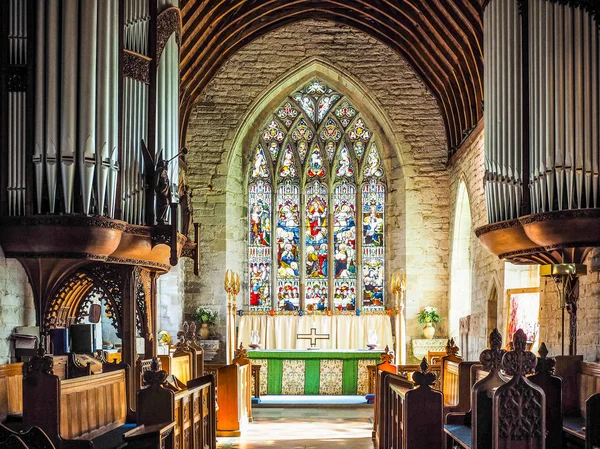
x=33, y=438
x=410, y=414
x=180, y=419
x=455, y=380
x=80, y=412
x=581, y=380
x=507, y=409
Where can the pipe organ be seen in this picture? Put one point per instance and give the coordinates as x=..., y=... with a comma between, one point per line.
x=91, y=106
x=542, y=107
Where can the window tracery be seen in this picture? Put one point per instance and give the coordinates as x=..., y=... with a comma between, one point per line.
x=311, y=183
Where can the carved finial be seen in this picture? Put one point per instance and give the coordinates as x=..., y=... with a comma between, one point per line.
x=186, y=327
x=240, y=353
x=40, y=363
x=424, y=378
x=495, y=340
x=544, y=364
x=451, y=348
x=155, y=376
x=519, y=361
x=492, y=358
x=387, y=356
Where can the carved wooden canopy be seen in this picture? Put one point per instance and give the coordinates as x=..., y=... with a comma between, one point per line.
x=442, y=40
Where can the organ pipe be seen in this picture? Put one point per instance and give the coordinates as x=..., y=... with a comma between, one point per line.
x=563, y=104
x=77, y=162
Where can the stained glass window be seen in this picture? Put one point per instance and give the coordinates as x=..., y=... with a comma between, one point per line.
x=326, y=167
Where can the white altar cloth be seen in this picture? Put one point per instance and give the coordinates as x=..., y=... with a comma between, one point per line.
x=345, y=331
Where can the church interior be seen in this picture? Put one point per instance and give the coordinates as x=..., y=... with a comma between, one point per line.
x=308, y=223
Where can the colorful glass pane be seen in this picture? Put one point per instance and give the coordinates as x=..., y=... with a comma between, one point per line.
x=302, y=131
x=288, y=294
x=325, y=104
x=330, y=148
x=287, y=113
x=307, y=104
x=345, y=113
x=344, y=169
x=259, y=164
x=331, y=131
x=316, y=295
x=259, y=242
x=373, y=166
x=316, y=230
x=316, y=87
x=274, y=150
x=302, y=149
x=373, y=208
x=344, y=239
x=359, y=149
x=359, y=131
x=288, y=241
x=272, y=132
x=288, y=163
x=316, y=169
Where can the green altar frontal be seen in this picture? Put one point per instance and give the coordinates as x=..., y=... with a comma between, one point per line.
x=314, y=372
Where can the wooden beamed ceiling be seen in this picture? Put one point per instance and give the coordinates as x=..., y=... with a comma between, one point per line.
x=441, y=39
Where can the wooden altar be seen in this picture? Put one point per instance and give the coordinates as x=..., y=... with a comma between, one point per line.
x=324, y=372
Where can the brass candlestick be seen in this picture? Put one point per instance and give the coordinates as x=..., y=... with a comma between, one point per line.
x=398, y=288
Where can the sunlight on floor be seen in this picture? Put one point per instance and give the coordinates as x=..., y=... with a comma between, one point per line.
x=315, y=428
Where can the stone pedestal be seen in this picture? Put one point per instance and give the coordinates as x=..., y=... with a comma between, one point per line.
x=420, y=347
x=210, y=348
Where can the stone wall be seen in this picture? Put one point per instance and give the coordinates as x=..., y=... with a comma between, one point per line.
x=16, y=303
x=405, y=115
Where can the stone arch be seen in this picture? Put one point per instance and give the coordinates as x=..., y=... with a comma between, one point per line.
x=391, y=149
x=461, y=260
x=492, y=304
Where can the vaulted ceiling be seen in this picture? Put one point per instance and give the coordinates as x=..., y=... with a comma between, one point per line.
x=441, y=39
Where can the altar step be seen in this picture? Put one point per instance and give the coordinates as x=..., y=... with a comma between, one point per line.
x=332, y=401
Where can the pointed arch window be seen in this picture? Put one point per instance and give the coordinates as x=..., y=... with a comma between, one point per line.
x=316, y=172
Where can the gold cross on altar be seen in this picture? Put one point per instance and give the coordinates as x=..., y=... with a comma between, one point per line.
x=313, y=337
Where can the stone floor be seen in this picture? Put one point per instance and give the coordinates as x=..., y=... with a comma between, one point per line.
x=306, y=428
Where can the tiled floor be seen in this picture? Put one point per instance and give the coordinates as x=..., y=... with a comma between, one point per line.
x=306, y=428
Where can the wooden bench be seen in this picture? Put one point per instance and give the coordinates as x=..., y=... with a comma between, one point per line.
x=33, y=438
x=90, y=409
x=184, y=419
x=234, y=395
x=411, y=414
x=455, y=380
x=581, y=380
x=506, y=412
x=179, y=364
x=11, y=391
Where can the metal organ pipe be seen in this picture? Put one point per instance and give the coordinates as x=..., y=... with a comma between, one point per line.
x=38, y=148
x=564, y=107
x=102, y=149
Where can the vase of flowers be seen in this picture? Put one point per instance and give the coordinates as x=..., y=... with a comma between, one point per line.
x=206, y=318
x=428, y=316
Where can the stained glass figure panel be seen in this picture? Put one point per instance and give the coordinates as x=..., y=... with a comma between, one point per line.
x=373, y=167
x=325, y=104
x=344, y=168
x=344, y=237
x=316, y=295
x=288, y=238
x=274, y=150
x=316, y=230
x=330, y=149
x=259, y=239
x=288, y=294
x=307, y=104
x=288, y=164
x=373, y=209
x=302, y=150
x=316, y=169
x=259, y=164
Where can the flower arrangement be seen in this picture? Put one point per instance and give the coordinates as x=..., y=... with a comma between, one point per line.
x=206, y=316
x=428, y=315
